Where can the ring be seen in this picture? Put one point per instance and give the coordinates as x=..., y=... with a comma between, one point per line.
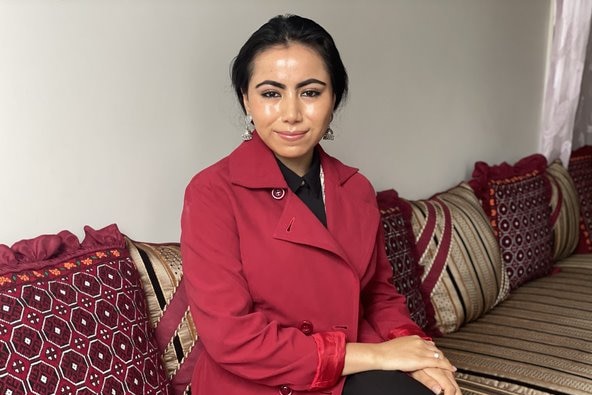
x=436, y=355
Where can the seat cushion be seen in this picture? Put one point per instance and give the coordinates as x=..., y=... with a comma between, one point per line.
x=538, y=341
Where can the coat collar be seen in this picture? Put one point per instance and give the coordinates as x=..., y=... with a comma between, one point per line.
x=253, y=165
x=351, y=222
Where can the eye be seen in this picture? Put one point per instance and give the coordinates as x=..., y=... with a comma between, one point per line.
x=311, y=93
x=270, y=94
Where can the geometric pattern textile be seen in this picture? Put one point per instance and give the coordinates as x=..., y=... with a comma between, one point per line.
x=517, y=200
x=78, y=325
x=400, y=251
x=463, y=274
x=565, y=207
x=580, y=169
x=160, y=269
x=538, y=341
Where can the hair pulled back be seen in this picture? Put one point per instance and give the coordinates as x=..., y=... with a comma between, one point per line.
x=284, y=30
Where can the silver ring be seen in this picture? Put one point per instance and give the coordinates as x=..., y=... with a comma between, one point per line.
x=437, y=355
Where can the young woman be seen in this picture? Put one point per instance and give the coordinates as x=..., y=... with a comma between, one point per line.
x=282, y=246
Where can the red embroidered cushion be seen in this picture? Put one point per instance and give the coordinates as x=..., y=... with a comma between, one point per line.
x=517, y=200
x=73, y=318
x=400, y=251
x=580, y=170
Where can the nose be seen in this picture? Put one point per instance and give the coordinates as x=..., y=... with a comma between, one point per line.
x=291, y=109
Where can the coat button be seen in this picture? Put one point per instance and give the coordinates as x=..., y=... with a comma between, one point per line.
x=285, y=390
x=278, y=193
x=306, y=327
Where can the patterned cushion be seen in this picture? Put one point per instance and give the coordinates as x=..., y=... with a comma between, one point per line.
x=517, y=200
x=160, y=270
x=463, y=273
x=400, y=251
x=580, y=169
x=73, y=319
x=565, y=214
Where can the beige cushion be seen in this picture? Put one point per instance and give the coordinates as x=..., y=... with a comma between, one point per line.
x=565, y=207
x=160, y=269
x=463, y=272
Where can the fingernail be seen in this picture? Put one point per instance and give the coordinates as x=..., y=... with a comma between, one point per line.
x=454, y=369
x=436, y=390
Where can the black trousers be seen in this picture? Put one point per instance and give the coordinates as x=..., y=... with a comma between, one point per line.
x=379, y=382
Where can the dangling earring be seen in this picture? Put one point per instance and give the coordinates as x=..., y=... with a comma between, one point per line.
x=329, y=135
x=249, y=127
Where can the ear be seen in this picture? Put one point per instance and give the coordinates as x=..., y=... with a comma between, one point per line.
x=246, y=103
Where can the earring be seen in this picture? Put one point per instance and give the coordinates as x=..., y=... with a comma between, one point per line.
x=329, y=135
x=249, y=127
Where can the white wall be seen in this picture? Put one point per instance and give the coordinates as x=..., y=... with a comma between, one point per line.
x=107, y=108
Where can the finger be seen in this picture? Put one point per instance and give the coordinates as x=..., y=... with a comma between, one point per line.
x=455, y=389
x=427, y=381
x=445, y=380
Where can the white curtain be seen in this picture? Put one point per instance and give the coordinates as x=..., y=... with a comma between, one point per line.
x=583, y=123
x=571, y=28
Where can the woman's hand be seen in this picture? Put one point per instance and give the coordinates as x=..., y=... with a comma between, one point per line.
x=407, y=354
x=411, y=353
x=438, y=380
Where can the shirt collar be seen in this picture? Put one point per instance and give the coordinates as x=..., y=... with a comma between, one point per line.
x=312, y=177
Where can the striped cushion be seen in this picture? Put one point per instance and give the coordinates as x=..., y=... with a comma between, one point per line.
x=538, y=341
x=580, y=169
x=160, y=269
x=463, y=273
x=565, y=208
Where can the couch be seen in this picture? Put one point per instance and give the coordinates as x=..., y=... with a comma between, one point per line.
x=497, y=269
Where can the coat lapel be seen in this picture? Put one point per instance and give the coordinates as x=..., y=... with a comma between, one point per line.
x=351, y=222
x=298, y=224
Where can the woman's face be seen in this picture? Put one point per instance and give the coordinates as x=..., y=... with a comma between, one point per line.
x=291, y=100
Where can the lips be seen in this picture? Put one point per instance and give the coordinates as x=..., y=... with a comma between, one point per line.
x=291, y=135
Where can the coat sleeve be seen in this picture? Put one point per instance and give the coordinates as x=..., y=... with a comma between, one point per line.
x=239, y=338
x=385, y=309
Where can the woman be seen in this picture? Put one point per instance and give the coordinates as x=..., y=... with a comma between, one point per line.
x=282, y=245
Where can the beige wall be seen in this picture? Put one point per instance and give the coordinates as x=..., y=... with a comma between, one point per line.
x=107, y=108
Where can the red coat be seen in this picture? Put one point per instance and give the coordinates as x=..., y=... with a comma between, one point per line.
x=274, y=293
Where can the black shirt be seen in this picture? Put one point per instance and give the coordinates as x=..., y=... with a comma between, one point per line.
x=308, y=188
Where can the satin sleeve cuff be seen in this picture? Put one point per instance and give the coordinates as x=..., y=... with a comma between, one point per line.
x=407, y=330
x=331, y=353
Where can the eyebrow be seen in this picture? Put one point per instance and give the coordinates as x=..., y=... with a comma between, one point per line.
x=299, y=85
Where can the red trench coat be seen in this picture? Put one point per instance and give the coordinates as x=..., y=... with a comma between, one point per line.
x=276, y=295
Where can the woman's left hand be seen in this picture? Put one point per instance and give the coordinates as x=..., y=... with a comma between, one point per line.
x=440, y=381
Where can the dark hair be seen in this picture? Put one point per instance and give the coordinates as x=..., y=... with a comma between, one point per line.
x=283, y=30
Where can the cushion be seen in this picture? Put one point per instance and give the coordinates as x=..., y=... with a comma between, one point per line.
x=580, y=169
x=161, y=273
x=565, y=211
x=73, y=318
x=400, y=251
x=517, y=201
x=463, y=274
